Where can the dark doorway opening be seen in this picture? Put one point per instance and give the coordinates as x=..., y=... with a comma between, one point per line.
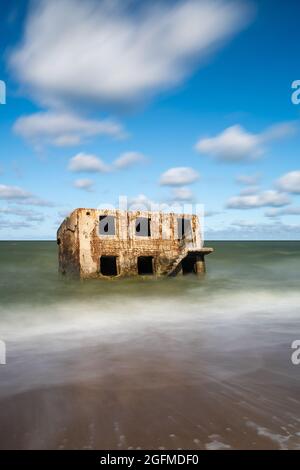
x=188, y=265
x=145, y=265
x=108, y=265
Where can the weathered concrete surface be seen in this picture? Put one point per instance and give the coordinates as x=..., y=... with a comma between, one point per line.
x=81, y=245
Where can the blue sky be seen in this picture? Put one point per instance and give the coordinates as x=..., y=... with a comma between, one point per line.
x=167, y=102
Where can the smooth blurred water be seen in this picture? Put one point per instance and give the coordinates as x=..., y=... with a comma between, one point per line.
x=173, y=363
x=28, y=273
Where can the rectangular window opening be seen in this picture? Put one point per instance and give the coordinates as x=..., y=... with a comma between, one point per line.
x=143, y=227
x=145, y=265
x=184, y=228
x=108, y=266
x=107, y=225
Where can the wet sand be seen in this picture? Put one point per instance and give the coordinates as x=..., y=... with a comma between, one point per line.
x=116, y=414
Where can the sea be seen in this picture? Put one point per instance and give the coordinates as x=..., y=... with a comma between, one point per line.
x=175, y=363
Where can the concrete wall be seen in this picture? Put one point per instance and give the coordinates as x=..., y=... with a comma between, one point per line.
x=83, y=247
x=68, y=243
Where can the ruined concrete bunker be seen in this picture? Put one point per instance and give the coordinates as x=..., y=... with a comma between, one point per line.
x=95, y=243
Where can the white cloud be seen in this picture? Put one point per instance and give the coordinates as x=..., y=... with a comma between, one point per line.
x=244, y=224
x=290, y=182
x=232, y=144
x=291, y=210
x=279, y=131
x=26, y=213
x=85, y=184
x=249, y=180
x=273, y=212
x=179, y=176
x=236, y=144
x=141, y=202
x=269, y=198
x=83, y=162
x=211, y=213
x=240, y=230
x=110, y=53
x=21, y=196
x=63, y=128
x=16, y=225
x=35, y=201
x=13, y=192
x=28, y=217
x=182, y=194
x=35, y=218
x=129, y=159
x=249, y=190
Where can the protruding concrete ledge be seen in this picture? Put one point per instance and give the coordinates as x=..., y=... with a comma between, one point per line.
x=202, y=251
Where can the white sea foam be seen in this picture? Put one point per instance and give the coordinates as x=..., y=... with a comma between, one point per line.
x=281, y=440
x=216, y=443
x=126, y=316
